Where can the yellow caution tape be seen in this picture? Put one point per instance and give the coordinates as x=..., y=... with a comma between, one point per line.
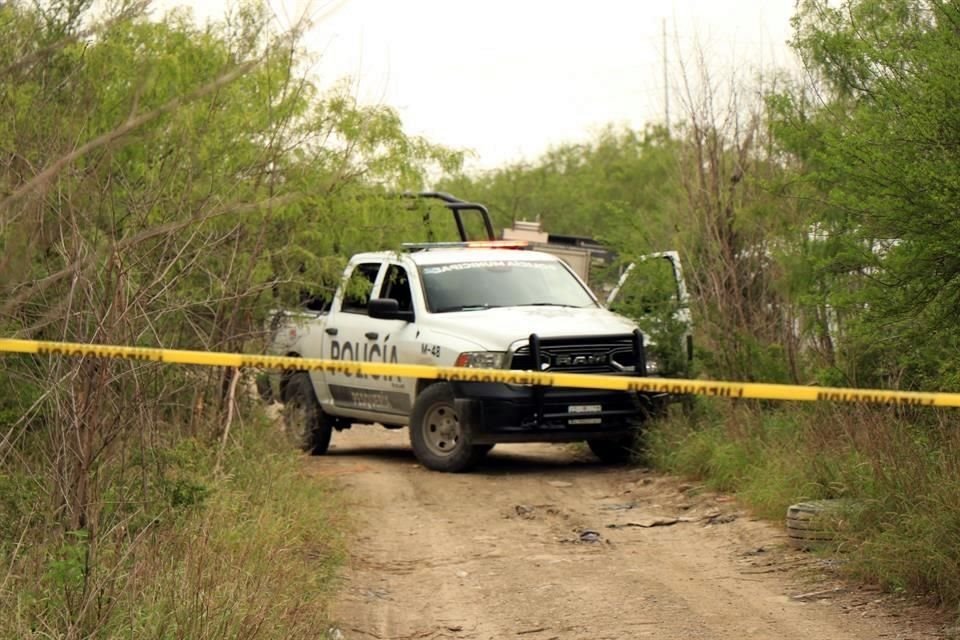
x=754, y=390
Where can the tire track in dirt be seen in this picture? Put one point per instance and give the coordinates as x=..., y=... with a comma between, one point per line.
x=543, y=543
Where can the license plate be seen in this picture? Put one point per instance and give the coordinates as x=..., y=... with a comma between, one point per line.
x=585, y=408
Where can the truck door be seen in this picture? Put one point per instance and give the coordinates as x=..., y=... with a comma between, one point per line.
x=351, y=334
x=398, y=338
x=653, y=292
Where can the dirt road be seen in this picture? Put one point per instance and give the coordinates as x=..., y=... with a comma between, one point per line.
x=544, y=543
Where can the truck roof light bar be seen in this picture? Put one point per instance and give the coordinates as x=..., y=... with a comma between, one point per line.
x=474, y=244
x=499, y=244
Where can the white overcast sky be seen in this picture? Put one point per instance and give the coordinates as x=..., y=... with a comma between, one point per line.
x=509, y=78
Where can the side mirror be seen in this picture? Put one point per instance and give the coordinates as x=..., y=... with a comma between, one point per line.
x=387, y=309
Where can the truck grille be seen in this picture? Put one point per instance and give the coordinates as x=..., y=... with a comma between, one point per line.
x=592, y=354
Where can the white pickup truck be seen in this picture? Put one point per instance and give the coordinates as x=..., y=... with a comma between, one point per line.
x=469, y=304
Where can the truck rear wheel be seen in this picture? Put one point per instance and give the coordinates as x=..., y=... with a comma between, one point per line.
x=439, y=439
x=305, y=424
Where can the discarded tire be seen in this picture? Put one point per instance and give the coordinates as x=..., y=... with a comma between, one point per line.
x=813, y=525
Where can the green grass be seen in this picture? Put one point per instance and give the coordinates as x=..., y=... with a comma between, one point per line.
x=898, y=471
x=250, y=551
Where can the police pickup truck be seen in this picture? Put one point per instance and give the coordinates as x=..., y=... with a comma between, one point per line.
x=483, y=304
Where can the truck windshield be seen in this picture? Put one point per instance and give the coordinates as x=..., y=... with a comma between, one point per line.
x=464, y=286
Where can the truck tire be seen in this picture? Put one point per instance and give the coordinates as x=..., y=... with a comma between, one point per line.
x=483, y=449
x=306, y=425
x=612, y=450
x=439, y=440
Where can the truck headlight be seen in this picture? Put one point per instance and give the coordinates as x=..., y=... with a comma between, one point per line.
x=653, y=367
x=481, y=359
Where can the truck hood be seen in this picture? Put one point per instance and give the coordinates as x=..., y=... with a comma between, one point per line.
x=496, y=329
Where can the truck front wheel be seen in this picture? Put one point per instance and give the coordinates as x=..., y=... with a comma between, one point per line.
x=620, y=449
x=439, y=439
x=306, y=425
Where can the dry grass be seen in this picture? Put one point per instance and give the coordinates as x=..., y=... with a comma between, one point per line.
x=900, y=470
x=250, y=552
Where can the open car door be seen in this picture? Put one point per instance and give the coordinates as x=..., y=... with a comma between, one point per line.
x=653, y=292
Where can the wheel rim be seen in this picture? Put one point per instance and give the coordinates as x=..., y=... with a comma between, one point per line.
x=441, y=430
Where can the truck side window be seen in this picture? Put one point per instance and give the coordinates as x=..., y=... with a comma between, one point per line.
x=356, y=293
x=396, y=285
